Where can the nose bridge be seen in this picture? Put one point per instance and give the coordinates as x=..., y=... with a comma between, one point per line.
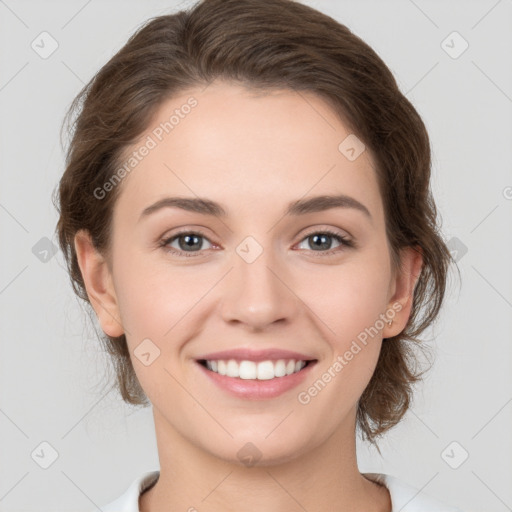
x=256, y=294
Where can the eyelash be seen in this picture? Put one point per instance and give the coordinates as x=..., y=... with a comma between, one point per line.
x=345, y=243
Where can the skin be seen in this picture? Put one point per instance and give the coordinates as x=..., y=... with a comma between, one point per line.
x=253, y=153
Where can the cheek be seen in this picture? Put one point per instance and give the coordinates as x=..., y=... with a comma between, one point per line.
x=347, y=302
x=349, y=298
x=155, y=305
x=160, y=300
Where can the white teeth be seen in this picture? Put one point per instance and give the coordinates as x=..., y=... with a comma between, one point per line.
x=221, y=367
x=232, y=369
x=247, y=370
x=280, y=368
x=263, y=370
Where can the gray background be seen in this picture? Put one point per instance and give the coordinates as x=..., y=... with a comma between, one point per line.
x=52, y=373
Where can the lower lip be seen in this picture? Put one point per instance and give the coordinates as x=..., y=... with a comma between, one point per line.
x=253, y=389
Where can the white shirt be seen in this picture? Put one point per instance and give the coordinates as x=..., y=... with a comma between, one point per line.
x=404, y=497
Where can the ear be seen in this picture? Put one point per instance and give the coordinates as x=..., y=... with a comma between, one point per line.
x=98, y=283
x=404, y=282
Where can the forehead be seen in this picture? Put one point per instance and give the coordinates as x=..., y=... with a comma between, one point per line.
x=240, y=145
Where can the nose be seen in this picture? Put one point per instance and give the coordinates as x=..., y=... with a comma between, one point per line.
x=258, y=294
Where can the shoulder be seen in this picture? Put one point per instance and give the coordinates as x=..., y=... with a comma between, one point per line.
x=129, y=500
x=406, y=498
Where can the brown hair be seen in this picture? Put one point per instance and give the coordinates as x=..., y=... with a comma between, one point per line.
x=263, y=44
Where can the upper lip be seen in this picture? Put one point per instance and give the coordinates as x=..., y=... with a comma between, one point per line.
x=245, y=354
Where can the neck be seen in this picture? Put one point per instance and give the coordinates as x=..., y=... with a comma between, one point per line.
x=325, y=477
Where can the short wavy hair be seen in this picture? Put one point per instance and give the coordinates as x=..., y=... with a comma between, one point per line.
x=262, y=44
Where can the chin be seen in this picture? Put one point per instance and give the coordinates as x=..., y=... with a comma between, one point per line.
x=256, y=451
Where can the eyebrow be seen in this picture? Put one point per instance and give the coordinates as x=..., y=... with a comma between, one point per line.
x=295, y=208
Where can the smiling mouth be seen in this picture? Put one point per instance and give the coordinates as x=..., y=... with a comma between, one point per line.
x=252, y=370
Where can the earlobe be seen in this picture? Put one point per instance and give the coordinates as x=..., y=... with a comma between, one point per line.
x=98, y=283
x=405, y=282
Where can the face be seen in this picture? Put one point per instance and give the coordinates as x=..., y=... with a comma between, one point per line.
x=183, y=284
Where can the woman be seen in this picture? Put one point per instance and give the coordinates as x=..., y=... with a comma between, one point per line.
x=246, y=206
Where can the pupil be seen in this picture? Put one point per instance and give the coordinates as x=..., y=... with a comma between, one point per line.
x=323, y=244
x=191, y=241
